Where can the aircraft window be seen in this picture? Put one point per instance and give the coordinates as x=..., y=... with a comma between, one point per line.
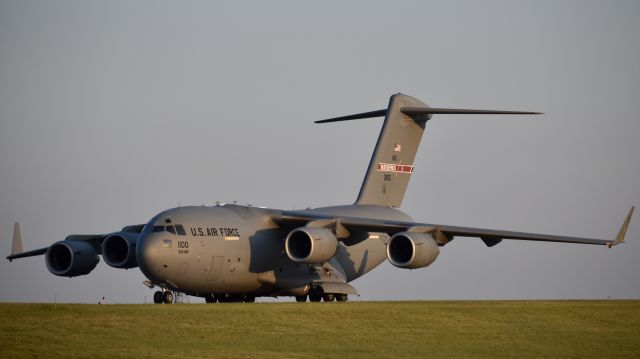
x=180, y=230
x=170, y=229
x=158, y=229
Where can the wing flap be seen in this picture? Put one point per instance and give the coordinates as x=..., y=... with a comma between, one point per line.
x=493, y=235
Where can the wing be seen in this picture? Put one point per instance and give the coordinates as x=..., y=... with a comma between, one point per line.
x=444, y=233
x=94, y=239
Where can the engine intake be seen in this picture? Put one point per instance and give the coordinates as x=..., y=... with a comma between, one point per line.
x=119, y=250
x=311, y=245
x=412, y=250
x=71, y=258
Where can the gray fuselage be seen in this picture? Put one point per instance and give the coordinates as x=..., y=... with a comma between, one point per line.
x=237, y=249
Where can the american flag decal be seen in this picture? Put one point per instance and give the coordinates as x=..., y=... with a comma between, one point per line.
x=390, y=167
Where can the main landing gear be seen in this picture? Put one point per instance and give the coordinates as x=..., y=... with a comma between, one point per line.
x=316, y=294
x=230, y=298
x=165, y=297
x=328, y=297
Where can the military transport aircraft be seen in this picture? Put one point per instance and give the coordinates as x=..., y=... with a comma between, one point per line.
x=237, y=253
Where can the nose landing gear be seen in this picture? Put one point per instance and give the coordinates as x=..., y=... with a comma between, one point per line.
x=157, y=297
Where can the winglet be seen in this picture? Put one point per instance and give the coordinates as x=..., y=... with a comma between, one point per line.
x=623, y=230
x=16, y=247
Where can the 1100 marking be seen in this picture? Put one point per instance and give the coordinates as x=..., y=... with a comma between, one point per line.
x=183, y=247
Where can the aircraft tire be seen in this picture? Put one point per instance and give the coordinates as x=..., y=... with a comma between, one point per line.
x=328, y=297
x=157, y=297
x=315, y=294
x=341, y=297
x=168, y=297
x=210, y=299
x=249, y=299
x=301, y=298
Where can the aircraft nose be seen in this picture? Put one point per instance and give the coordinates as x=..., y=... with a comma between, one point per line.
x=149, y=256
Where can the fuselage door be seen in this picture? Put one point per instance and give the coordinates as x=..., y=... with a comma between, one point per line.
x=215, y=269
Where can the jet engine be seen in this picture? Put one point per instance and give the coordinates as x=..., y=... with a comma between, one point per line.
x=119, y=250
x=71, y=258
x=310, y=245
x=412, y=250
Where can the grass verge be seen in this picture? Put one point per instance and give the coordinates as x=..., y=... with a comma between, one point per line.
x=489, y=329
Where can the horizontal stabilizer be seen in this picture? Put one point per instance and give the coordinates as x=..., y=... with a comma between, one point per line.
x=357, y=116
x=456, y=111
x=416, y=111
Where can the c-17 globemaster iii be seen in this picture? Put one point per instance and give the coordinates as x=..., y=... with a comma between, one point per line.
x=237, y=253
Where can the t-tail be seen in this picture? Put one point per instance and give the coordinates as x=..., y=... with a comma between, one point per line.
x=391, y=165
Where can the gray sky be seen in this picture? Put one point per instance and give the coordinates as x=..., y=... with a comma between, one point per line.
x=111, y=112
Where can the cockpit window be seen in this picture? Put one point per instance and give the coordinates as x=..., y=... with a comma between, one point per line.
x=158, y=229
x=177, y=229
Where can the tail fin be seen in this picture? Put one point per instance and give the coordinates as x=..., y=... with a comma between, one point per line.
x=391, y=165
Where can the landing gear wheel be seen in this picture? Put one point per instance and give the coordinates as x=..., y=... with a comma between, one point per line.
x=301, y=298
x=168, y=297
x=249, y=299
x=328, y=297
x=210, y=298
x=157, y=297
x=341, y=297
x=315, y=294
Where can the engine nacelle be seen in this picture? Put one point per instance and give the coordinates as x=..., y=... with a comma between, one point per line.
x=311, y=245
x=119, y=250
x=71, y=258
x=412, y=250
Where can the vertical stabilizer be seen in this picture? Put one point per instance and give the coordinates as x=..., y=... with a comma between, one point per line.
x=391, y=165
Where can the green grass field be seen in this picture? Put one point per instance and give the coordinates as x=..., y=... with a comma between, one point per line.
x=576, y=329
